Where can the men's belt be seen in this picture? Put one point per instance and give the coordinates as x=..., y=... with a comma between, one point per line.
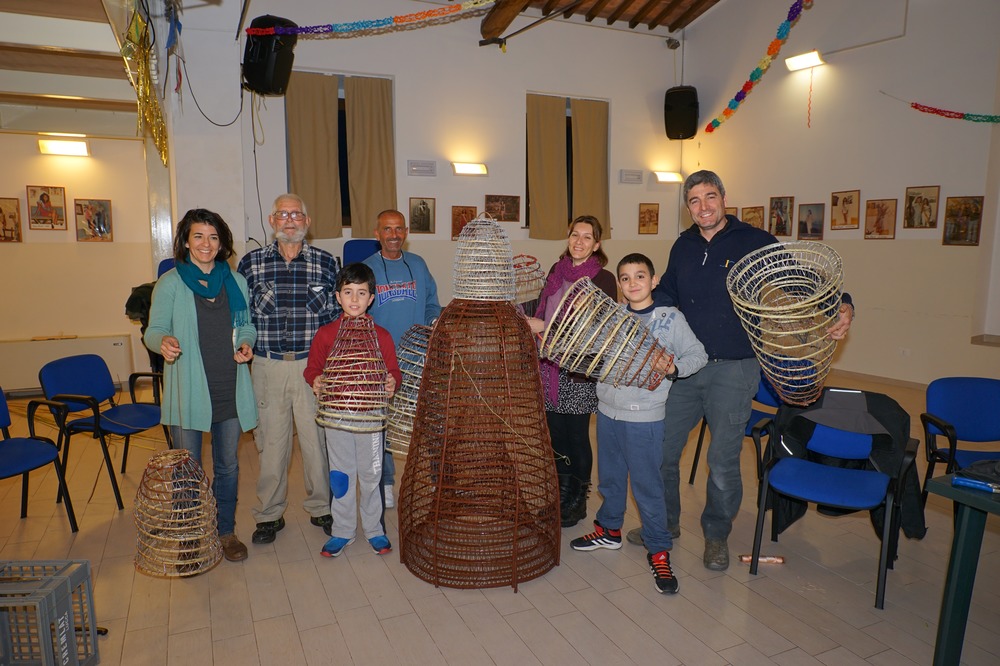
x=287, y=356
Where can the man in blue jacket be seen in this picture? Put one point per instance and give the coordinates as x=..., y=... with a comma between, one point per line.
x=722, y=392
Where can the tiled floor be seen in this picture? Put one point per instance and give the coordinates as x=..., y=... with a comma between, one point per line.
x=288, y=605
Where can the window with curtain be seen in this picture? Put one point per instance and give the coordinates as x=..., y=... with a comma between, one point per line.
x=567, y=163
x=341, y=151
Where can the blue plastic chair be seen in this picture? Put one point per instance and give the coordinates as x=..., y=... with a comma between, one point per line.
x=21, y=455
x=837, y=487
x=961, y=409
x=760, y=424
x=359, y=249
x=84, y=384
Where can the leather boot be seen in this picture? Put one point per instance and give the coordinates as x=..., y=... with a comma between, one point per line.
x=564, y=495
x=579, y=509
x=568, y=511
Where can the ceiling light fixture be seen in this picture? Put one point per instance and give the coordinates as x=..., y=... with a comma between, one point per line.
x=668, y=177
x=469, y=168
x=74, y=148
x=803, y=61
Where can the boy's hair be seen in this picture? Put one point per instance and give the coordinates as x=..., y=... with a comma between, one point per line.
x=636, y=258
x=357, y=273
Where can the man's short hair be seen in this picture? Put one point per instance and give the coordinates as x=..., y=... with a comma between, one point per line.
x=703, y=177
x=288, y=196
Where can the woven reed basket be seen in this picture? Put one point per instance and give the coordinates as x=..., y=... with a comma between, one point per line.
x=529, y=280
x=175, y=518
x=591, y=334
x=352, y=393
x=787, y=295
x=410, y=353
x=484, y=264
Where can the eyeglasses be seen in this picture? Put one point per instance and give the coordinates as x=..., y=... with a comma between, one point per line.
x=296, y=215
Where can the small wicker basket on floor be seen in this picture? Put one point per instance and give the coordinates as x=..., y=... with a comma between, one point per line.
x=352, y=393
x=479, y=501
x=410, y=353
x=591, y=334
x=787, y=295
x=484, y=264
x=529, y=279
x=175, y=518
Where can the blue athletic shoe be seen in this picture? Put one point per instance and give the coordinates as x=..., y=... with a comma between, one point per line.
x=335, y=546
x=380, y=544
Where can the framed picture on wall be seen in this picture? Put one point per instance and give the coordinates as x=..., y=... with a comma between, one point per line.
x=779, y=220
x=422, y=215
x=10, y=221
x=845, y=207
x=47, y=207
x=649, y=218
x=461, y=216
x=963, y=217
x=732, y=210
x=880, y=218
x=504, y=207
x=811, y=221
x=920, y=207
x=754, y=216
x=93, y=220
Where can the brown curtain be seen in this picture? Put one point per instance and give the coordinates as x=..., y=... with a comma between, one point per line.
x=590, y=161
x=371, y=155
x=546, y=130
x=313, y=167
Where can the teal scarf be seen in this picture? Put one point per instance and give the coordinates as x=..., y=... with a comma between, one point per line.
x=208, y=285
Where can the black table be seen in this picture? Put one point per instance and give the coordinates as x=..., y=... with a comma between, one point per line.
x=970, y=521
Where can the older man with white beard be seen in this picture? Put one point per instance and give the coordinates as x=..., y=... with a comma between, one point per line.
x=292, y=287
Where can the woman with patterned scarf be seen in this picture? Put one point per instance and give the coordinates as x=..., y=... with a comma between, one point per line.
x=570, y=398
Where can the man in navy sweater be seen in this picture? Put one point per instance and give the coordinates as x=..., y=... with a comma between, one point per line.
x=695, y=283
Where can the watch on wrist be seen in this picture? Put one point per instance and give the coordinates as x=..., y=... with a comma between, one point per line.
x=672, y=376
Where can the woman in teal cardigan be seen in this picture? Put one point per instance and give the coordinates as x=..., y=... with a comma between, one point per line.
x=200, y=323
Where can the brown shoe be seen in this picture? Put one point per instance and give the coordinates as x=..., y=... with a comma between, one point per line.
x=232, y=548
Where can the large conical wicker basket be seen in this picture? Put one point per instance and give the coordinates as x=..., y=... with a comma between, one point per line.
x=591, y=334
x=175, y=518
x=411, y=353
x=787, y=295
x=529, y=280
x=352, y=393
x=479, y=500
x=484, y=262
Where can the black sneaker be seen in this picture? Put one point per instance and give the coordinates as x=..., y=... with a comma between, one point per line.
x=266, y=532
x=663, y=575
x=326, y=522
x=601, y=537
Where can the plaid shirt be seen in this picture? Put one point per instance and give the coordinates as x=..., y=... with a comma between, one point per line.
x=290, y=301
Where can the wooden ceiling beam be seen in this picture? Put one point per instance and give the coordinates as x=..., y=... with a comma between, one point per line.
x=667, y=11
x=549, y=7
x=52, y=60
x=78, y=10
x=500, y=16
x=694, y=11
x=622, y=8
x=67, y=102
x=595, y=10
x=641, y=14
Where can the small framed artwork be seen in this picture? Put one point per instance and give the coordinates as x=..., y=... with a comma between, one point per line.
x=421, y=215
x=732, y=210
x=46, y=207
x=963, y=217
x=920, y=207
x=93, y=220
x=880, y=218
x=649, y=218
x=844, y=209
x=811, y=221
x=779, y=220
x=10, y=220
x=504, y=207
x=754, y=216
x=461, y=216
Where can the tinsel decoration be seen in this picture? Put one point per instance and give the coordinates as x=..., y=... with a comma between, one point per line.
x=136, y=50
x=772, y=52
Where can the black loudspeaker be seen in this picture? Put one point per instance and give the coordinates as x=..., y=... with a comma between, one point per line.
x=267, y=59
x=680, y=112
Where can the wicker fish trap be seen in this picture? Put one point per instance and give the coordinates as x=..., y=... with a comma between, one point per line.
x=175, y=518
x=484, y=266
x=352, y=393
x=529, y=280
x=479, y=500
x=591, y=334
x=410, y=353
x=787, y=295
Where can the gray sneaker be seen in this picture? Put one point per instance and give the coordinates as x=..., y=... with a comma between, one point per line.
x=634, y=535
x=716, y=554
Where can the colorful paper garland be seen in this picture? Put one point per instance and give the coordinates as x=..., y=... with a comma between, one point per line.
x=373, y=24
x=772, y=51
x=958, y=115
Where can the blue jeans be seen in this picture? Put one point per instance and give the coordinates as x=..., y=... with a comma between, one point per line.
x=722, y=392
x=632, y=452
x=225, y=465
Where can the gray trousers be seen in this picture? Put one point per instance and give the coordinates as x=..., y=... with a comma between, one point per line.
x=355, y=471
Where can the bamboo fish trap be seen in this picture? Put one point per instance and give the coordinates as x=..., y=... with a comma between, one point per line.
x=352, y=393
x=529, y=280
x=787, y=295
x=484, y=265
x=411, y=353
x=591, y=334
x=175, y=518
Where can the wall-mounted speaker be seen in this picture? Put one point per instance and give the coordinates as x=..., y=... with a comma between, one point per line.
x=267, y=59
x=680, y=112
